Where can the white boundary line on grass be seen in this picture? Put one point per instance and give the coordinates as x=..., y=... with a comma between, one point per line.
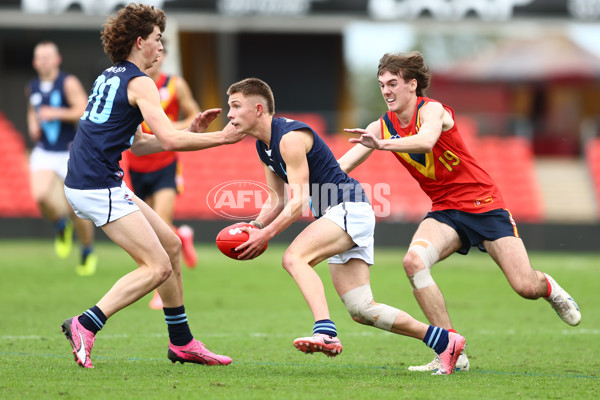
x=308, y=365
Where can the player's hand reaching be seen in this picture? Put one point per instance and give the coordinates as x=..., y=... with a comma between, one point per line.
x=231, y=135
x=254, y=246
x=203, y=120
x=367, y=139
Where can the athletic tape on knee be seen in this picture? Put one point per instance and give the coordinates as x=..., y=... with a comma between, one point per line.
x=358, y=302
x=429, y=256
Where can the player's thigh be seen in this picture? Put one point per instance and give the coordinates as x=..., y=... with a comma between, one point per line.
x=511, y=256
x=163, y=202
x=162, y=229
x=345, y=277
x=43, y=183
x=442, y=236
x=135, y=235
x=319, y=241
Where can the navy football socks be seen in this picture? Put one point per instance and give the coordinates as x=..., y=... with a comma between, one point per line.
x=436, y=338
x=325, y=326
x=93, y=319
x=177, y=324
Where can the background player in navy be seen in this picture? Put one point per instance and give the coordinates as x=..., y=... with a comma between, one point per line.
x=292, y=153
x=55, y=103
x=122, y=97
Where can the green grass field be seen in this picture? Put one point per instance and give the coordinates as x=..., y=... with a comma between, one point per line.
x=252, y=311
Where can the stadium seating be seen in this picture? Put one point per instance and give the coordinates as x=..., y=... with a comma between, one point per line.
x=393, y=192
x=15, y=194
x=510, y=162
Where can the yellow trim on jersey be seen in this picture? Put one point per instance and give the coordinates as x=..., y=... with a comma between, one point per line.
x=427, y=170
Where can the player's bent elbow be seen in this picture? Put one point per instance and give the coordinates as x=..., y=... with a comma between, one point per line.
x=169, y=145
x=428, y=146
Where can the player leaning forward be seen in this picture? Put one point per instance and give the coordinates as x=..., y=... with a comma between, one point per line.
x=121, y=98
x=291, y=152
x=467, y=207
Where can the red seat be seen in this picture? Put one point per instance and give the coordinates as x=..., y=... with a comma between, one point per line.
x=15, y=195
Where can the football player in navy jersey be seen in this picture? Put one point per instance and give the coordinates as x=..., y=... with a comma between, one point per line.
x=121, y=98
x=293, y=154
x=55, y=103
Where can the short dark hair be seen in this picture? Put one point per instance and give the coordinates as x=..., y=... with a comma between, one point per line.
x=121, y=30
x=409, y=66
x=256, y=87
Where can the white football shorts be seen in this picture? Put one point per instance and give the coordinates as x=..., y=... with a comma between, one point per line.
x=41, y=159
x=102, y=205
x=358, y=220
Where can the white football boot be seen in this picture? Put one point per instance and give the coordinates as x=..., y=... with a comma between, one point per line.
x=462, y=364
x=564, y=305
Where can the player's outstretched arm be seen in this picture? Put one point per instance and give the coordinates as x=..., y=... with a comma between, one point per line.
x=203, y=119
x=432, y=116
x=145, y=143
x=142, y=93
x=359, y=153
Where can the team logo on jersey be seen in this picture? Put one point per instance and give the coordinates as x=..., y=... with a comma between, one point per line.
x=424, y=163
x=484, y=201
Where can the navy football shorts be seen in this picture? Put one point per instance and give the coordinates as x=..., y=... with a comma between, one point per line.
x=147, y=183
x=473, y=228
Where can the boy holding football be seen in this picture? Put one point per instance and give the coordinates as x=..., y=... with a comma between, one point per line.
x=292, y=153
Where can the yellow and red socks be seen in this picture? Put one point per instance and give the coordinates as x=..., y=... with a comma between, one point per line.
x=325, y=326
x=436, y=338
x=177, y=324
x=93, y=319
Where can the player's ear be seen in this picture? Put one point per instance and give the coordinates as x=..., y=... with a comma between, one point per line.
x=139, y=42
x=260, y=109
x=413, y=85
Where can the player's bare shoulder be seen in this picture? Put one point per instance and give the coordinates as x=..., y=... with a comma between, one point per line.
x=435, y=112
x=296, y=139
x=142, y=87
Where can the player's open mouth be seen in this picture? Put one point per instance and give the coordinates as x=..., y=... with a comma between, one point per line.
x=389, y=100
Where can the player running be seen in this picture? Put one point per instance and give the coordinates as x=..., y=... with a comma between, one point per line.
x=467, y=207
x=292, y=153
x=158, y=178
x=122, y=97
x=56, y=101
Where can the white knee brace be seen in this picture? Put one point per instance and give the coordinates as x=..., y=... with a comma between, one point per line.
x=429, y=255
x=359, y=303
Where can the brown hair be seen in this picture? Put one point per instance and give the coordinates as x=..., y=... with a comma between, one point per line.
x=408, y=66
x=120, y=31
x=46, y=42
x=254, y=87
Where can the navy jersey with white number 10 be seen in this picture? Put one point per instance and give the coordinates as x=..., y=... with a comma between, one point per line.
x=105, y=131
